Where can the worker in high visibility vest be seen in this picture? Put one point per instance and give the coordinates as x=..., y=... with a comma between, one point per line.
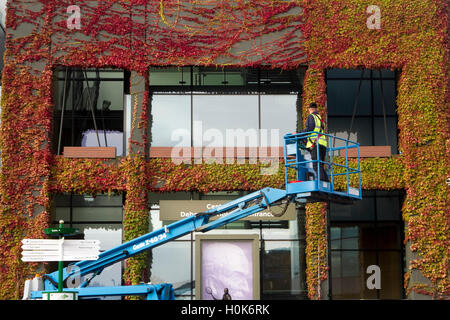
x=315, y=123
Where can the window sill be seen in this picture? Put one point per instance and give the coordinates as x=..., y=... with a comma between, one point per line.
x=90, y=152
x=217, y=152
x=369, y=152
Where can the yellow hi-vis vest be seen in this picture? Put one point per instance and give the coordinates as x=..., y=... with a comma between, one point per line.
x=311, y=141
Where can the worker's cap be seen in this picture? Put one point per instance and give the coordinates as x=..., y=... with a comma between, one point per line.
x=312, y=105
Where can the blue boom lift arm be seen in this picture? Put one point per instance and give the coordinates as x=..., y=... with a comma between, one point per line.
x=299, y=191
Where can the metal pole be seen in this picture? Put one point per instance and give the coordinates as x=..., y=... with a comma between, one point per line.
x=97, y=73
x=92, y=109
x=318, y=160
x=60, y=262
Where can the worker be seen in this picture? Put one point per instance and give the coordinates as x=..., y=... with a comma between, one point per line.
x=226, y=295
x=315, y=123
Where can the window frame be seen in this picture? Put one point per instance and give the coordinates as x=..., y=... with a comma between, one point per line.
x=373, y=77
x=70, y=113
x=259, y=85
x=375, y=196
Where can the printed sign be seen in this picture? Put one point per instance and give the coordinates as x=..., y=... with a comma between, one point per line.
x=40, y=250
x=179, y=209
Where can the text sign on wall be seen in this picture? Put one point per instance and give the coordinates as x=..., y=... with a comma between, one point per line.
x=39, y=250
x=180, y=209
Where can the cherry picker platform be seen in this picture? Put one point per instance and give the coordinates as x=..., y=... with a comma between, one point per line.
x=307, y=187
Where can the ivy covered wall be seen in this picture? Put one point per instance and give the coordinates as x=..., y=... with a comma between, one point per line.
x=412, y=37
x=136, y=34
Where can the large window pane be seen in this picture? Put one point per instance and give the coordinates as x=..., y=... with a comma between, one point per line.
x=171, y=120
x=388, y=205
x=281, y=270
x=172, y=264
x=216, y=80
x=345, y=275
x=356, y=245
x=346, y=74
x=344, y=237
x=170, y=76
x=385, y=74
x=225, y=120
x=110, y=236
x=361, y=130
x=380, y=135
x=389, y=95
x=388, y=236
x=240, y=100
x=86, y=208
x=341, y=96
x=348, y=274
x=98, y=214
x=278, y=112
x=353, y=236
x=391, y=274
x=362, y=210
x=356, y=74
x=277, y=230
x=100, y=200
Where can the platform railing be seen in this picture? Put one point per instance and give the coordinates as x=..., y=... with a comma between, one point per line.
x=296, y=157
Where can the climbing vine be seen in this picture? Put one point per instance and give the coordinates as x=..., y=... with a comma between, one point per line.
x=94, y=176
x=136, y=218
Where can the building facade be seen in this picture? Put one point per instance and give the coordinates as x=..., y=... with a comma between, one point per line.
x=122, y=116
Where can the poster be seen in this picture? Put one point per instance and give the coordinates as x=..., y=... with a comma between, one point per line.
x=228, y=269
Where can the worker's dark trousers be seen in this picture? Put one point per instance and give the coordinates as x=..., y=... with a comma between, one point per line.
x=322, y=156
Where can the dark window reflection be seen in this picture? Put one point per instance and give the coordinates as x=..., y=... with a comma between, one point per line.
x=89, y=108
x=371, y=100
x=169, y=130
x=365, y=234
x=281, y=274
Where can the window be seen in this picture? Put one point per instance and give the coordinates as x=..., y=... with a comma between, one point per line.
x=89, y=108
x=196, y=106
x=169, y=130
x=370, y=232
x=371, y=126
x=281, y=277
x=98, y=218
